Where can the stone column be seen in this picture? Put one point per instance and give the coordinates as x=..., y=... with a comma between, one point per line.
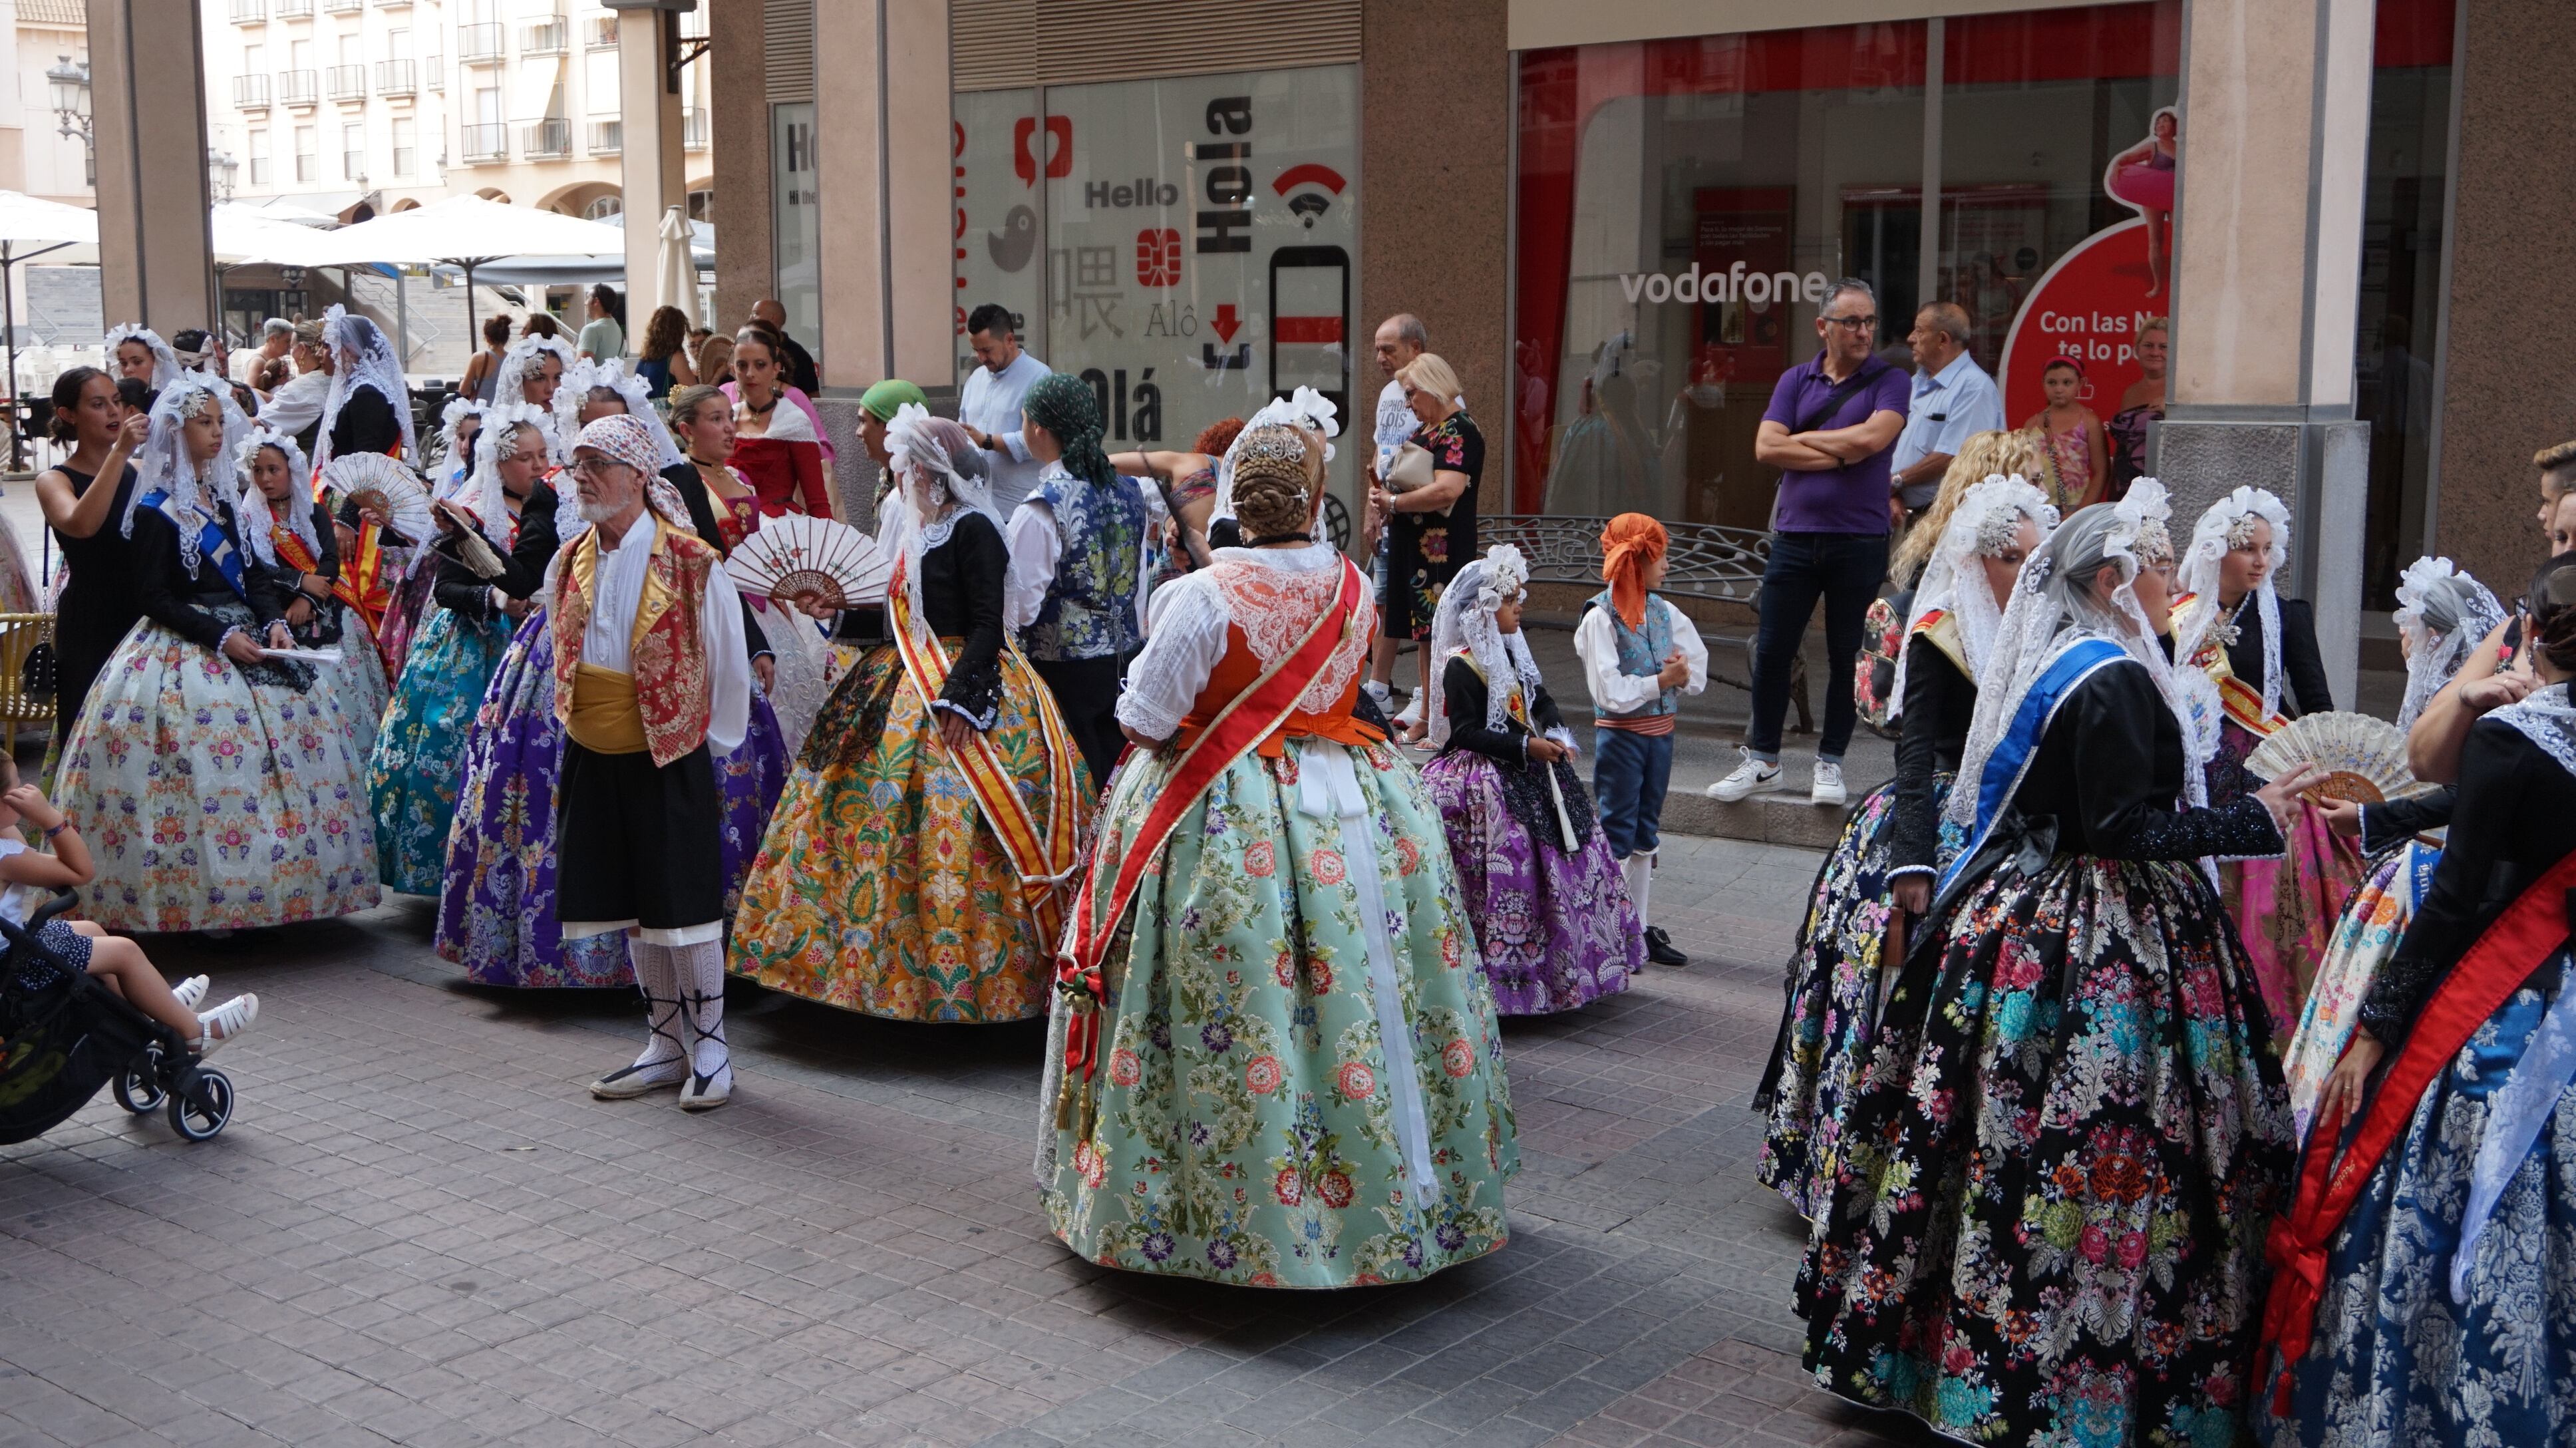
x=648, y=96
x=738, y=79
x=148, y=120
x=2267, y=257
x=882, y=121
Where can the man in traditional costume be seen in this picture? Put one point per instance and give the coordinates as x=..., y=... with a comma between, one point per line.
x=650, y=671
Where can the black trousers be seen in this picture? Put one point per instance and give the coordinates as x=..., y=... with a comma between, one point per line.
x=637, y=841
x=1086, y=692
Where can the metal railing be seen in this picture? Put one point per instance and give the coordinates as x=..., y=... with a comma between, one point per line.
x=393, y=4
x=249, y=12
x=479, y=44
x=250, y=92
x=396, y=78
x=607, y=138
x=291, y=9
x=345, y=82
x=299, y=87
x=600, y=32
x=483, y=143
x=693, y=128
x=549, y=139
x=545, y=37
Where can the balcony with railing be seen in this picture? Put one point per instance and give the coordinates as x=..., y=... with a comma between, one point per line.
x=483, y=143
x=345, y=82
x=250, y=92
x=343, y=7
x=545, y=37
x=249, y=12
x=396, y=78
x=599, y=32
x=299, y=87
x=546, y=140
x=291, y=9
x=433, y=72
x=607, y=138
x=393, y=4
x=693, y=128
x=479, y=44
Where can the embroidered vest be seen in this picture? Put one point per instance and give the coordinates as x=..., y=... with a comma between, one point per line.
x=672, y=693
x=1642, y=652
x=1090, y=607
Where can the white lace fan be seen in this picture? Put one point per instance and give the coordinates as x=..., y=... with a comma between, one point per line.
x=2364, y=758
x=386, y=488
x=799, y=557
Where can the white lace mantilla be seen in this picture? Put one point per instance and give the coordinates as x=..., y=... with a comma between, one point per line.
x=2547, y=718
x=1273, y=595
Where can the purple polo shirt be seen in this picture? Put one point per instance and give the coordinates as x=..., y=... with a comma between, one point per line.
x=1851, y=498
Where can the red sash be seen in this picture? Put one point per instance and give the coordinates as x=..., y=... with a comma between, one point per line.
x=1241, y=725
x=2520, y=940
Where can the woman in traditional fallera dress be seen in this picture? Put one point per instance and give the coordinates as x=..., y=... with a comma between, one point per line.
x=1879, y=875
x=295, y=538
x=496, y=905
x=2442, y=617
x=2047, y=1219
x=917, y=865
x=419, y=763
x=1275, y=1062
x=2258, y=653
x=1554, y=926
x=222, y=789
x=2425, y=1285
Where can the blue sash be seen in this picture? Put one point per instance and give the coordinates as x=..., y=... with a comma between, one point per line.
x=214, y=540
x=2013, y=753
x=2418, y=873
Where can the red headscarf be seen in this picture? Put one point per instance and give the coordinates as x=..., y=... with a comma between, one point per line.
x=1631, y=542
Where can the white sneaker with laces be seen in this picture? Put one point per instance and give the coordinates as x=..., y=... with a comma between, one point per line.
x=1750, y=774
x=1828, y=786
x=1378, y=690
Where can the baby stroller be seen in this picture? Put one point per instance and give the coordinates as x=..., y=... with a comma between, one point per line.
x=59, y=1044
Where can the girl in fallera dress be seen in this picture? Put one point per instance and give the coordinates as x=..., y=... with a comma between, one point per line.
x=2048, y=1213
x=1554, y=926
x=224, y=787
x=1878, y=879
x=916, y=867
x=1274, y=1061
x=2254, y=666
x=296, y=539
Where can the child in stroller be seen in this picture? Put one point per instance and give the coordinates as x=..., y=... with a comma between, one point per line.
x=115, y=962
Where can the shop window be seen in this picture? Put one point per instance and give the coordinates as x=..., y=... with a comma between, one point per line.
x=796, y=221
x=2402, y=236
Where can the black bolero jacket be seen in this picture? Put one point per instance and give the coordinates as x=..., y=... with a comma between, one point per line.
x=2305, y=690
x=1939, y=702
x=1524, y=785
x=2108, y=773
x=524, y=566
x=961, y=598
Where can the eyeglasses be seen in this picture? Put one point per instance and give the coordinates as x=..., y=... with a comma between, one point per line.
x=1855, y=324
x=593, y=467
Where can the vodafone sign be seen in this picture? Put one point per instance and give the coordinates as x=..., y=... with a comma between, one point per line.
x=2089, y=307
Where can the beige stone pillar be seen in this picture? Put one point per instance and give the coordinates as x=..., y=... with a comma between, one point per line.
x=648, y=96
x=2267, y=259
x=738, y=81
x=148, y=120
x=882, y=152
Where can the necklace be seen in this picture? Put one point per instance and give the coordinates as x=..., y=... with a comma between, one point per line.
x=2225, y=632
x=1266, y=539
x=762, y=409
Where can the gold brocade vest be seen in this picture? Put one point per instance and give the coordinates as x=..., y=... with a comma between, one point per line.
x=663, y=706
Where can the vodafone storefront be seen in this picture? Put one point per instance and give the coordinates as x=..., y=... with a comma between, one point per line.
x=1682, y=203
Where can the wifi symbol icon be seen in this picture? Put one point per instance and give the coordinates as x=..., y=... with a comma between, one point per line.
x=1308, y=205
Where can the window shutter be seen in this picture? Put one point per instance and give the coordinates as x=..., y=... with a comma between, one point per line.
x=787, y=49
x=994, y=44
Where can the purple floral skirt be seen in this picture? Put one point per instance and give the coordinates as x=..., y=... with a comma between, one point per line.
x=496, y=907
x=1554, y=930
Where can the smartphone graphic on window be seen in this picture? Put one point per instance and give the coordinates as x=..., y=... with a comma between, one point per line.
x=1310, y=295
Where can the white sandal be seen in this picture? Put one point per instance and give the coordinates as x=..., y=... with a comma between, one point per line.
x=218, y=1027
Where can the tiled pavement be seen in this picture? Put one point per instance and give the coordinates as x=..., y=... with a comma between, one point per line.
x=420, y=1230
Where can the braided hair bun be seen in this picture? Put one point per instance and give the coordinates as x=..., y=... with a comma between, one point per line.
x=2553, y=611
x=1275, y=481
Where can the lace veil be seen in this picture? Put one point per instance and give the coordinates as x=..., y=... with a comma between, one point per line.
x=361, y=356
x=938, y=463
x=165, y=363
x=2229, y=523
x=1465, y=622
x=166, y=466
x=257, y=518
x=2443, y=614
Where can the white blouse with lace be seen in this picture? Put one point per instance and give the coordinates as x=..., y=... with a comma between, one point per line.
x=1274, y=594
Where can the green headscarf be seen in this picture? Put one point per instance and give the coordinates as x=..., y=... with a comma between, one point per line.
x=882, y=399
x=1064, y=405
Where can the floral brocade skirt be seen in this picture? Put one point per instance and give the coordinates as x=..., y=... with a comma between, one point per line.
x=880, y=888
x=1828, y=1021
x=359, y=681
x=2285, y=909
x=214, y=797
x=1301, y=1078
x=2365, y=938
x=2050, y=1199
x=496, y=901
x=419, y=763
x=1554, y=930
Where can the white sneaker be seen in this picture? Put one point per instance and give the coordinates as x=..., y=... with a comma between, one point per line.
x=1751, y=774
x=218, y=1027
x=1384, y=696
x=192, y=990
x=1828, y=786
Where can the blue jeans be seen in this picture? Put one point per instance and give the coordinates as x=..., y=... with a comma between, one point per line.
x=1629, y=775
x=1845, y=569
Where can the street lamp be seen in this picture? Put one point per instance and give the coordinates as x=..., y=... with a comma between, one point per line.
x=221, y=168
x=69, y=79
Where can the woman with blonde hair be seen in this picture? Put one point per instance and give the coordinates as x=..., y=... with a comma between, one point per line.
x=1984, y=455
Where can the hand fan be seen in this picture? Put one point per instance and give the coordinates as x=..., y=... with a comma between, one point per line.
x=386, y=488
x=2364, y=758
x=798, y=558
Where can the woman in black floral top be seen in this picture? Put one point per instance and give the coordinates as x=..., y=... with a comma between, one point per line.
x=1432, y=531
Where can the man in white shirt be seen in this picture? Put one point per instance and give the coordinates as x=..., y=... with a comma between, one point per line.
x=989, y=404
x=1400, y=339
x=295, y=409
x=1953, y=400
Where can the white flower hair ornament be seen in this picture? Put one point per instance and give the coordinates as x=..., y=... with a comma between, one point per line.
x=1506, y=574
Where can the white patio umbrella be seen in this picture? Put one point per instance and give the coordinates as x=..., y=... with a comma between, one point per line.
x=581, y=271
x=678, y=266
x=31, y=226
x=247, y=235
x=464, y=232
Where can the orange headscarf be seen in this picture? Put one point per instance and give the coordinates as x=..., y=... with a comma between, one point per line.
x=1632, y=541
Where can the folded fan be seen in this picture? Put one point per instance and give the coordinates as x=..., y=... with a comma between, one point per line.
x=384, y=487
x=2364, y=758
x=799, y=558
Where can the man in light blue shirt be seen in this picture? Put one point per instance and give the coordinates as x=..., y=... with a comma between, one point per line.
x=989, y=403
x=1953, y=398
